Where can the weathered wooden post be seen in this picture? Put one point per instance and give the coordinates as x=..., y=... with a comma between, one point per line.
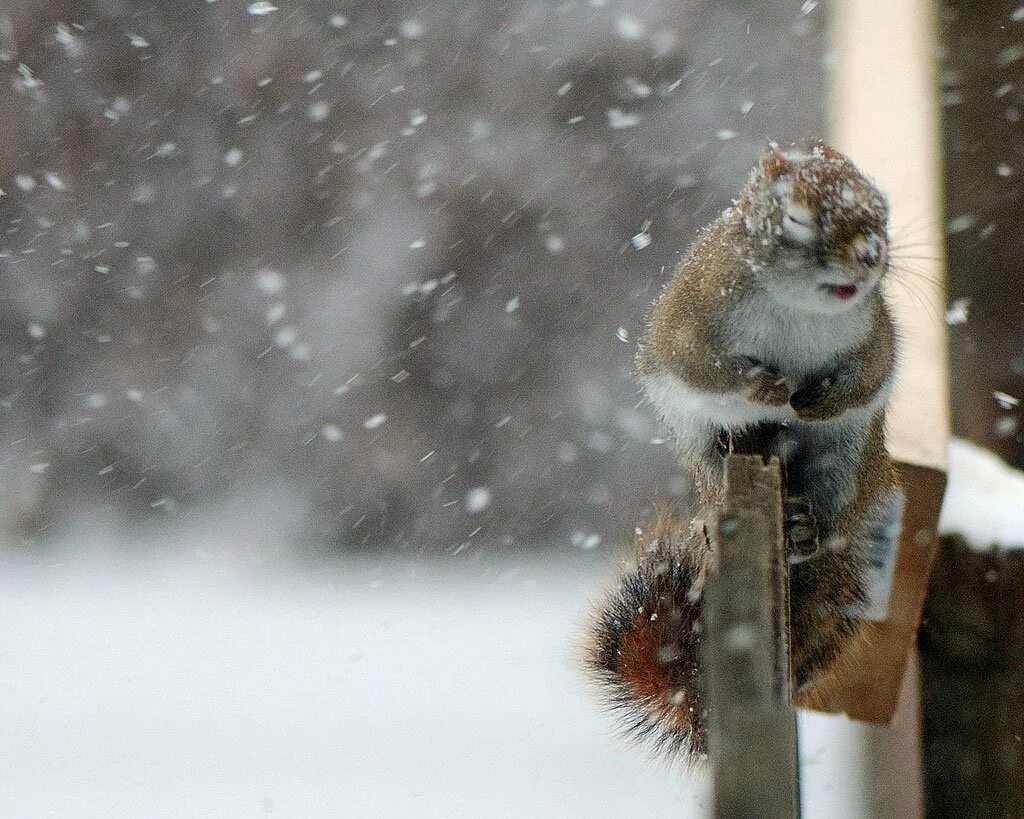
x=885, y=113
x=753, y=724
x=972, y=667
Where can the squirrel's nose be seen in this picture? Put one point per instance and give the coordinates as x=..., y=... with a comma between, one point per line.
x=864, y=252
x=868, y=258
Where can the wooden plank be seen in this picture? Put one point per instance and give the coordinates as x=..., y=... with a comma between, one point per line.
x=886, y=117
x=753, y=725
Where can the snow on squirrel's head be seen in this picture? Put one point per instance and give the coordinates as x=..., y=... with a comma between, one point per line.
x=820, y=228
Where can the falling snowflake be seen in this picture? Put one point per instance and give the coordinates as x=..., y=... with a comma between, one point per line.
x=26, y=81
x=641, y=240
x=958, y=224
x=632, y=88
x=1005, y=400
x=412, y=29
x=375, y=421
x=585, y=540
x=269, y=281
x=477, y=499
x=619, y=119
x=55, y=182
x=286, y=337
x=629, y=28
x=554, y=243
x=261, y=8
x=958, y=312
x=1008, y=56
x=319, y=111
x=1005, y=426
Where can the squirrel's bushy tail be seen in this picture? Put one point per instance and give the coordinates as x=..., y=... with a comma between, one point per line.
x=644, y=647
x=645, y=642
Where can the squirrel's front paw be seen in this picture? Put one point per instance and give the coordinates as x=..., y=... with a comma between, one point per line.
x=769, y=389
x=764, y=385
x=817, y=401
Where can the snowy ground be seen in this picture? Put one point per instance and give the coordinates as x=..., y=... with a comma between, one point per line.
x=198, y=685
x=233, y=678
x=185, y=688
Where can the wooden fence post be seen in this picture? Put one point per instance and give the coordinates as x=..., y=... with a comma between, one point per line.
x=753, y=725
x=885, y=115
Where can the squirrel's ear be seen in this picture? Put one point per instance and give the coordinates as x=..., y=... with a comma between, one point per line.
x=773, y=162
x=827, y=151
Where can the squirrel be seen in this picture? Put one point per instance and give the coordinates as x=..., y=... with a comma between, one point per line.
x=773, y=337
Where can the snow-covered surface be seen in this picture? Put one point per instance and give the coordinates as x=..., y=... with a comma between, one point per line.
x=196, y=684
x=984, y=498
x=180, y=687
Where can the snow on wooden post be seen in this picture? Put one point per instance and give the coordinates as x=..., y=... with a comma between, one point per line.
x=885, y=115
x=753, y=726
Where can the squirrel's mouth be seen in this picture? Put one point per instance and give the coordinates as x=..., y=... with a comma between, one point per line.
x=843, y=292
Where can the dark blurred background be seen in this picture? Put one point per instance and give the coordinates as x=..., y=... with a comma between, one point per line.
x=983, y=101
x=374, y=271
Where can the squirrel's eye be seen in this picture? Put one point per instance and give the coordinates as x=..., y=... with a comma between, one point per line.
x=798, y=225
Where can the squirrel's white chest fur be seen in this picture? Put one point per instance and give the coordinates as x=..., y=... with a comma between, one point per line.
x=796, y=344
x=695, y=415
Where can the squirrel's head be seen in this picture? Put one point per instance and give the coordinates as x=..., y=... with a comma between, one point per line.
x=820, y=228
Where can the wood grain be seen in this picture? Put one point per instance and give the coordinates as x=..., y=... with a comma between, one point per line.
x=885, y=115
x=753, y=724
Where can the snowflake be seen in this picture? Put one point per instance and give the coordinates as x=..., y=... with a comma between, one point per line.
x=261, y=8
